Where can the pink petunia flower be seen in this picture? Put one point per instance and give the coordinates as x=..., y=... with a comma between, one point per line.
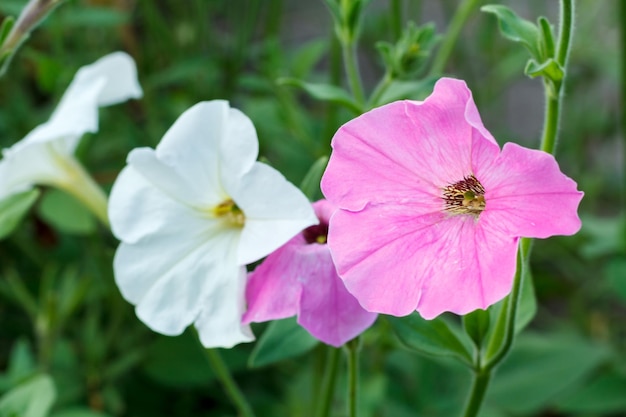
x=300, y=279
x=431, y=210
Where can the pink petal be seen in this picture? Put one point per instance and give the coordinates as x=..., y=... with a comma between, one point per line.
x=327, y=310
x=394, y=261
x=527, y=194
x=406, y=151
x=273, y=289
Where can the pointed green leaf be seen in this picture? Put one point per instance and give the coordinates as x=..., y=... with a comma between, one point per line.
x=324, y=92
x=7, y=25
x=527, y=307
x=431, y=337
x=515, y=28
x=14, y=208
x=476, y=325
x=547, y=38
x=310, y=185
x=32, y=398
x=282, y=339
x=549, y=69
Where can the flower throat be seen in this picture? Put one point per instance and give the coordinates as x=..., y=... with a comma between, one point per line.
x=465, y=197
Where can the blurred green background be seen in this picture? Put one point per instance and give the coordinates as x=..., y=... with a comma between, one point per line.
x=60, y=311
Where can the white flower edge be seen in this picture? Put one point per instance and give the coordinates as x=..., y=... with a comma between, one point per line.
x=178, y=262
x=44, y=156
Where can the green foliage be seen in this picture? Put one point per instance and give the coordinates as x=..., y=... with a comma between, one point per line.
x=281, y=340
x=13, y=209
x=33, y=398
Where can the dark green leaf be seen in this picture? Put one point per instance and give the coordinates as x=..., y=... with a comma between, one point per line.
x=432, y=337
x=325, y=92
x=13, y=209
x=7, y=25
x=32, y=398
x=615, y=273
x=476, y=325
x=281, y=340
x=79, y=412
x=541, y=366
x=527, y=307
x=515, y=28
x=602, y=396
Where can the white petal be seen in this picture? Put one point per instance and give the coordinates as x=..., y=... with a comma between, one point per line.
x=109, y=80
x=24, y=166
x=219, y=324
x=275, y=211
x=173, y=182
x=171, y=277
x=137, y=209
x=239, y=146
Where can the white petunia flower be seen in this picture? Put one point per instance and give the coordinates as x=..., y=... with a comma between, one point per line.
x=45, y=155
x=191, y=214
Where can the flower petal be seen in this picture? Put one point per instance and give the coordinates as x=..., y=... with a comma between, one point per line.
x=406, y=150
x=138, y=209
x=109, y=80
x=275, y=211
x=432, y=263
x=273, y=289
x=527, y=194
x=219, y=323
x=327, y=310
x=170, y=277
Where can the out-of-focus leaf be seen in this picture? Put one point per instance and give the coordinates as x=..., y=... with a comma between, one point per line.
x=101, y=17
x=79, y=412
x=515, y=28
x=604, y=395
x=32, y=398
x=324, y=92
x=21, y=365
x=65, y=213
x=7, y=24
x=281, y=340
x=605, y=236
x=13, y=209
x=310, y=185
x=527, y=307
x=432, y=337
x=615, y=273
x=306, y=56
x=541, y=366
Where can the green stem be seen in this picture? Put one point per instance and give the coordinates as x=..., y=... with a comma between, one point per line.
x=396, y=18
x=622, y=18
x=380, y=89
x=350, y=61
x=229, y=384
x=553, y=92
x=461, y=15
x=353, y=376
x=477, y=395
x=331, y=122
x=329, y=382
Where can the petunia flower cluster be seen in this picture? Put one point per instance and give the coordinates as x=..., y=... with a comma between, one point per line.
x=423, y=212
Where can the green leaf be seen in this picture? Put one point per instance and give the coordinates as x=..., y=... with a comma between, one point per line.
x=32, y=398
x=615, y=273
x=7, y=25
x=476, y=325
x=602, y=396
x=14, y=208
x=22, y=365
x=66, y=213
x=516, y=29
x=79, y=412
x=539, y=367
x=547, y=38
x=281, y=340
x=324, y=92
x=432, y=337
x=550, y=69
x=527, y=307
x=310, y=184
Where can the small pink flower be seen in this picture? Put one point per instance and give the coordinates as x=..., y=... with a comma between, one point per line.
x=300, y=279
x=431, y=211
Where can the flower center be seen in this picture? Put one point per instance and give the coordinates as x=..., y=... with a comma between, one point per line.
x=316, y=234
x=229, y=212
x=465, y=197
